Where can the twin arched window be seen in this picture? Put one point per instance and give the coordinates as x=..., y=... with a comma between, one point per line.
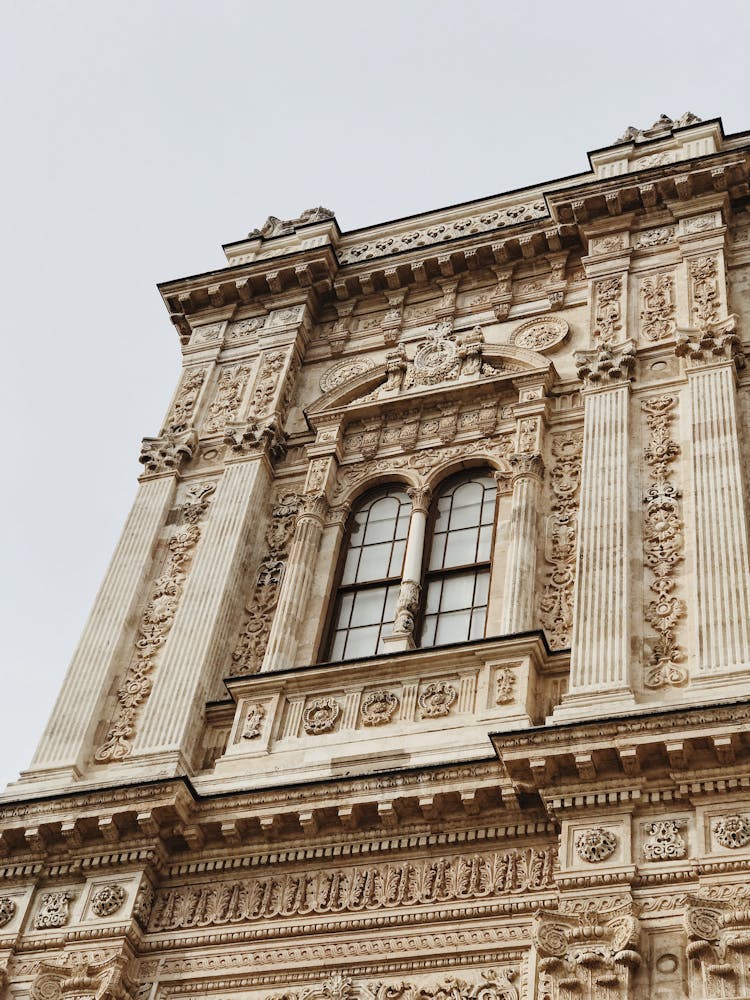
x=455, y=567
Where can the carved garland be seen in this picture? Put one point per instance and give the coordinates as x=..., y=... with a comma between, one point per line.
x=356, y=888
x=155, y=624
x=251, y=646
x=663, y=547
x=556, y=605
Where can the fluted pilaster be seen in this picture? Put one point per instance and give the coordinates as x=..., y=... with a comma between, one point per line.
x=186, y=675
x=66, y=740
x=520, y=574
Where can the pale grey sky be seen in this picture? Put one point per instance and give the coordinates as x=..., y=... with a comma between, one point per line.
x=139, y=136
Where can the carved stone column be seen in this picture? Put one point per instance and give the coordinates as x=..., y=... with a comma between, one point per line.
x=296, y=584
x=408, y=598
x=722, y=564
x=193, y=654
x=66, y=742
x=600, y=652
x=520, y=573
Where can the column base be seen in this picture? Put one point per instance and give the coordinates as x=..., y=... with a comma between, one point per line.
x=588, y=706
x=399, y=643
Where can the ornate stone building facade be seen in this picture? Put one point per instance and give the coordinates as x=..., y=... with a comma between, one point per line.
x=422, y=667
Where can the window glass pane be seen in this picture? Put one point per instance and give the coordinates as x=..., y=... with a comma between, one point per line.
x=457, y=592
x=362, y=642
x=488, y=508
x=428, y=631
x=437, y=551
x=452, y=627
x=432, y=603
x=481, y=589
x=368, y=607
x=402, y=528
x=477, y=623
x=397, y=559
x=373, y=563
x=390, y=603
x=461, y=547
x=382, y=520
x=465, y=516
x=350, y=566
x=345, y=610
x=337, y=649
x=485, y=543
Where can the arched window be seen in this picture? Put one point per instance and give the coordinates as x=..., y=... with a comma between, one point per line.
x=457, y=576
x=371, y=574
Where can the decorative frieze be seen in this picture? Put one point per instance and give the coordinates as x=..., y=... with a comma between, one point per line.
x=356, y=888
x=556, y=605
x=663, y=548
x=251, y=647
x=155, y=624
x=495, y=984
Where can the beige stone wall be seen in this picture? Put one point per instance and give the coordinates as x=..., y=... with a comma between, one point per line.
x=560, y=809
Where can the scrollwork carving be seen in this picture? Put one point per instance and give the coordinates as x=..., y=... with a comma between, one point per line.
x=156, y=622
x=54, y=910
x=663, y=547
x=251, y=646
x=436, y=700
x=7, y=910
x=378, y=707
x=229, y=392
x=187, y=395
x=320, y=716
x=664, y=842
x=657, y=307
x=607, y=294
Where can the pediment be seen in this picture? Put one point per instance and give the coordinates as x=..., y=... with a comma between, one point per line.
x=442, y=363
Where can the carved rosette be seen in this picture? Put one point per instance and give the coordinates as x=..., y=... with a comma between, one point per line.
x=378, y=707
x=663, y=548
x=436, y=699
x=596, y=844
x=320, y=716
x=156, y=623
x=732, y=831
x=540, y=334
x=556, y=604
x=589, y=955
x=108, y=900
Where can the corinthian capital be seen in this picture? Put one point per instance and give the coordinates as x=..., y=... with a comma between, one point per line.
x=165, y=455
x=252, y=437
x=420, y=497
x=606, y=364
x=717, y=342
x=525, y=465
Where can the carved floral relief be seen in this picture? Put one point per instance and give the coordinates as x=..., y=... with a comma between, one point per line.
x=228, y=397
x=156, y=623
x=663, y=547
x=657, y=307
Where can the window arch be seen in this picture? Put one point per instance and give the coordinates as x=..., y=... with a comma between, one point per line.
x=370, y=574
x=457, y=559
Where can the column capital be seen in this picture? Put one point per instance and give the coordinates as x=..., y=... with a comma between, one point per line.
x=714, y=344
x=314, y=507
x=252, y=439
x=420, y=497
x=165, y=456
x=525, y=465
x=605, y=365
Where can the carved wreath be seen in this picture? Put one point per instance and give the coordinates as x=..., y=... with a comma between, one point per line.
x=320, y=716
x=732, y=831
x=108, y=900
x=378, y=707
x=596, y=844
x=436, y=699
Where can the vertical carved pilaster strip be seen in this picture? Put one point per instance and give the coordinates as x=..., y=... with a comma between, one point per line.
x=67, y=736
x=663, y=547
x=193, y=653
x=556, y=605
x=721, y=530
x=520, y=576
x=600, y=652
x=296, y=585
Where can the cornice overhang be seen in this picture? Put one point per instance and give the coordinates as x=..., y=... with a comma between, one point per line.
x=644, y=190
x=683, y=750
